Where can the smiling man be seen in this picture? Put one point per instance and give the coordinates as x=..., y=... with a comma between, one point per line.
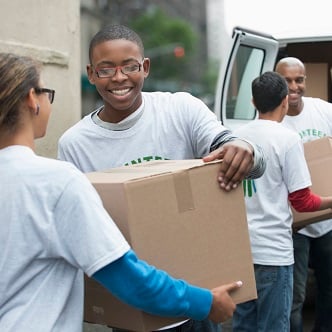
x=134, y=126
x=311, y=118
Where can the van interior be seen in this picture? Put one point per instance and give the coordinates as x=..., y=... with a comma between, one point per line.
x=317, y=57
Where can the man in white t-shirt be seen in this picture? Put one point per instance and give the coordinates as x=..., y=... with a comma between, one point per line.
x=134, y=126
x=269, y=216
x=54, y=228
x=311, y=118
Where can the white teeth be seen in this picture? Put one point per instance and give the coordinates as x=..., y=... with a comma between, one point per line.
x=120, y=92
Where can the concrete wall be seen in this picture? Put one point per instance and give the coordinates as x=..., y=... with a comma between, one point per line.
x=91, y=22
x=49, y=31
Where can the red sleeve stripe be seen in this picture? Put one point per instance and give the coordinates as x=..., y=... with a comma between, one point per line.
x=305, y=200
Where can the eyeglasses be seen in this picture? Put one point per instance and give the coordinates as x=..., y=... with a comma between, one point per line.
x=50, y=92
x=126, y=70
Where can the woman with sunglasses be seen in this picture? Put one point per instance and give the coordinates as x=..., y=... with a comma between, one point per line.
x=54, y=228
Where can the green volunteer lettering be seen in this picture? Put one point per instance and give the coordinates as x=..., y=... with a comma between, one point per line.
x=144, y=159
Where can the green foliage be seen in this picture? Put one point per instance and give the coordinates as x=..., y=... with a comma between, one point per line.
x=161, y=34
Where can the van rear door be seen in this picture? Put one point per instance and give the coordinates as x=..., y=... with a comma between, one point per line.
x=251, y=54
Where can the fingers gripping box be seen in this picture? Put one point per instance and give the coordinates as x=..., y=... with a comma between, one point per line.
x=176, y=217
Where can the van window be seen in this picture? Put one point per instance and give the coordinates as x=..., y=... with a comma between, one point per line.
x=246, y=67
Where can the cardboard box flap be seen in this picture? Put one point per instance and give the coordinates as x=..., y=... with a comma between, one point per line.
x=144, y=170
x=318, y=149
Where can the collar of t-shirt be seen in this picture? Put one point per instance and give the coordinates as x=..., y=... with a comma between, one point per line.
x=125, y=124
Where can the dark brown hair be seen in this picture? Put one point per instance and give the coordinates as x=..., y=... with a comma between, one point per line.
x=18, y=74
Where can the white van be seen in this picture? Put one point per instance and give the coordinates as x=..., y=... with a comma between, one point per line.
x=252, y=53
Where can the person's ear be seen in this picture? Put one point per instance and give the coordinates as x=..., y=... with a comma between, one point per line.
x=89, y=71
x=32, y=101
x=146, y=67
x=285, y=102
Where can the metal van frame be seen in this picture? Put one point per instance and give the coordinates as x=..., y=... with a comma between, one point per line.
x=252, y=53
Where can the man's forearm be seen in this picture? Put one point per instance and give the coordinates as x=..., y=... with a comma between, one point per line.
x=259, y=165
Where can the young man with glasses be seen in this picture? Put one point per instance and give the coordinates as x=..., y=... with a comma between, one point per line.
x=54, y=228
x=134, y=126
x=311, y=118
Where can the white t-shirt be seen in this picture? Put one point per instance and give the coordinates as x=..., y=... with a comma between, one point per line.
x=171, y=126
x=48, y=237
x=315, y=121
x=268, y=211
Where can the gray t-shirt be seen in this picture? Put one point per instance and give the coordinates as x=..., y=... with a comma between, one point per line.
x=171, y=126
x=53, y=227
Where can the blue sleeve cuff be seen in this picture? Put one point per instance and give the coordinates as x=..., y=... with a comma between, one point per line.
x=200, y=302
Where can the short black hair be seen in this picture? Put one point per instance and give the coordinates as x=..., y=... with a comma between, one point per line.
x=268, y=91
x=113, y=32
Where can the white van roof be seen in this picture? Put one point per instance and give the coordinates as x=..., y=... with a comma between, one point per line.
x=305, y=34
x=285, y=20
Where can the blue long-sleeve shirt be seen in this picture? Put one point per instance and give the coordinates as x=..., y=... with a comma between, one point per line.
x=143, y=286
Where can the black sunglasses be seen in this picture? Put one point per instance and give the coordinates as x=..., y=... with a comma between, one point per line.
x=50, y=93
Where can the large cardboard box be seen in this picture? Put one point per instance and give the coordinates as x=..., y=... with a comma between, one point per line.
x=175, y=217
x=318, y=154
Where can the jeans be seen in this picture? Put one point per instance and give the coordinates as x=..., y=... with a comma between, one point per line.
x=191, y=326
x=270, y=312
x=317, y=251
